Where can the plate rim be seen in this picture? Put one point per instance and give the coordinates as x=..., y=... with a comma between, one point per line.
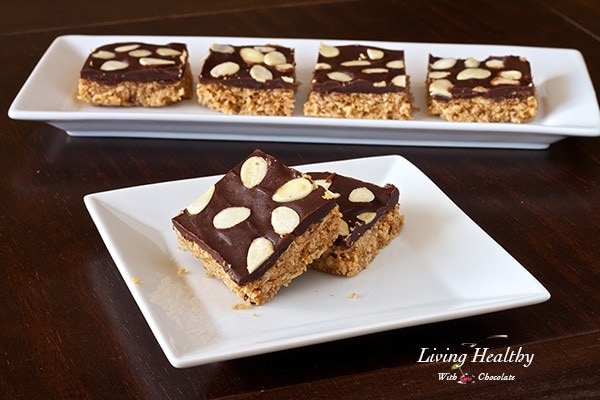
x=167, y=114
x=193, y=358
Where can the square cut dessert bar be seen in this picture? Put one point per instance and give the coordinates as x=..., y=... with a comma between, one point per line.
x=371, y=219
x=259, y=226
x=497, y=89
x=249, y=80
x=355, y=81
x=136, y=74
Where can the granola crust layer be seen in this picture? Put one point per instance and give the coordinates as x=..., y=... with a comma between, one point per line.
x=479, y=109
x=246, y=101
x=348, y=262
x=292, y=263
x=360, y=105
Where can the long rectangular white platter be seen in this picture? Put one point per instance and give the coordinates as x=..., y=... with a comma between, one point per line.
x=442, y=266
x=567, y=100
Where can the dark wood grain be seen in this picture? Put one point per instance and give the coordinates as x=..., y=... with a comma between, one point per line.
x=69, y=328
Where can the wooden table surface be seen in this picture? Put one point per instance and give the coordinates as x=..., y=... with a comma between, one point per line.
x=69, y=327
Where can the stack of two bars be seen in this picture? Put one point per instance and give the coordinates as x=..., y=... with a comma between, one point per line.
x=263, y=224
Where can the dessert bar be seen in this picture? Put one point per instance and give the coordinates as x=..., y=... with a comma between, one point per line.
x=136, y=74
x=497, y=89
x=355, y=81
x=371, y=219
x=259, y=226
x=251, y=80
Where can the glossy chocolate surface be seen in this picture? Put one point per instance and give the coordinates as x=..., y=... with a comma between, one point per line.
x=136, y=62
x=384, y=199
x=498, y=85
x=230, y=246
x=369, y=69
x=283, y=73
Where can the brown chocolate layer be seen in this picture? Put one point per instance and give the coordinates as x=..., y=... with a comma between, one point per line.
x=230, y=246
x=237, y=66
x=495, y=78
x=361, y=203
x=136, y=62
x=359, y=69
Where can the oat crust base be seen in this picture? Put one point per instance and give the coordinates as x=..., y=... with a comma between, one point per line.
x=360, y=105
x=293, y=262
x=348, y=262
x=479, y=109
x=245, y=101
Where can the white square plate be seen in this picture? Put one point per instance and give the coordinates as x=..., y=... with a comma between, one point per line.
x=567, y=100
x=442, y=266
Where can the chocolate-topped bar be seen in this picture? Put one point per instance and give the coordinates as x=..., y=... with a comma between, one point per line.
x=254, y=79
x=356, y=81
x=371, y=219
x=136, y=74
x=259, y=226
x=497, y=89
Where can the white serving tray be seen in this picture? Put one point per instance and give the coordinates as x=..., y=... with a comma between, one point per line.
x=442, y=266
x=567, y=100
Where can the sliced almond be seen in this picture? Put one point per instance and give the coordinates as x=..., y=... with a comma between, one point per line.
x=260, y=73
x=375, y=70
x=511, y=74
x=292, y=190
x=167, y=52
x=504, y=81
x=227, y=68
x=253, y=171
x=259, y=251
x=356, y=63
x=324, y=183
x=367, y=217
x=274, y=58
x=138, y=53
x=471, y=63
x=375, y=54
x=494, y=63
x=328, y=51
x=339, y=76
x=399, y=80
x=251, y=56
x=444, y=63
x=230, y=217
x=265, y=49
x=473, y=73
x=285, y=67
x=284, y=220
x=222, y=48
x=438, y=74
x=113, y=65
x=148, y=61
x=395, y=64
x=361, y=195
x=201, y=202
x=440, y=87
x=127, y=48
x=104, y=54
x=344, y=229
x=322, y=66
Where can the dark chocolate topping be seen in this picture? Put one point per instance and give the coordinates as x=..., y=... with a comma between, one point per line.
x=136, y=62
x=384, y=199
x=230, y=246
x=282, y=70
x=359, y=69
x=494, y=78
